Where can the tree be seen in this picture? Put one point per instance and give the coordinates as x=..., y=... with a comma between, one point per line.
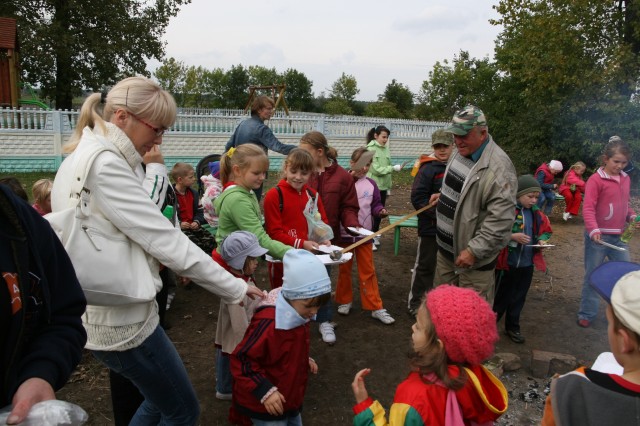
x=337, y=106
x=399, y=95
x=262, y=76
x=193, y=87
x=383, y=109
x=298, y=95
x=170, y=76
x=213, y=83
x=571, y=71
x=69, y=46
x=236, y=85
x=346, y=88
x=451, y=87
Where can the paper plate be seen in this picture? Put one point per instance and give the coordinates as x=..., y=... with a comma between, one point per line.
x=361, y=231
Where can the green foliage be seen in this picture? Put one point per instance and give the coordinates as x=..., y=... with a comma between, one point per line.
x=451, y=87
x=299, y=95
x=399, y=95
x=570, y=71
x=263, y=76
x=69, y=46
x=346, y=88
x=383, y=109
x=337, y=106
x=236, y=85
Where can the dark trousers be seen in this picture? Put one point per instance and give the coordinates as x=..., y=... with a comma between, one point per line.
x=423, y=270
x=377, y=219
x=511, y=292
x=125, y=396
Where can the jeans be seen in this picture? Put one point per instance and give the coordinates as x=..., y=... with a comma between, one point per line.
x=158, y=372
x=291, y=421
x=594, y=255
x=325, y=313
x=550, y=197
x=224, y=382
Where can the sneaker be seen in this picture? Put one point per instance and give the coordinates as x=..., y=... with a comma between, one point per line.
x=375, y=247
x=344, y=309
x=515, y=336
x=223, y=396
x=584, y=323
x=383, y=316
x=376, y=241
x=566, y=216
x=328, y=333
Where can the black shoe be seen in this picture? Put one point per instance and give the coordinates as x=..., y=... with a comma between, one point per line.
x=515, y=336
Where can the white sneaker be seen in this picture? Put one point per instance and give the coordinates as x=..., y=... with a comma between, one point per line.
x=376, y=241
x=344, y=309
x=328, y=333
x=566, y=216
x=383, y=316
x=375, y=247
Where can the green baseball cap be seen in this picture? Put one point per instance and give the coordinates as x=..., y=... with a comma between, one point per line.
x=466, y=119
x=440, y=137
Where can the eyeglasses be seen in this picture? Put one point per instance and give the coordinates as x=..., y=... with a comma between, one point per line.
x=157, y=131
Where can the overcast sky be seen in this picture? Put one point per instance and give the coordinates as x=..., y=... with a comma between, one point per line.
x=375, y=41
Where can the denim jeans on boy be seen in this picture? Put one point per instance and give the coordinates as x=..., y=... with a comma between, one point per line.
x=223, y=372
x=550, y=197
x=594, y=255
x=325, y=313
x=291, y=421
x=157, y=370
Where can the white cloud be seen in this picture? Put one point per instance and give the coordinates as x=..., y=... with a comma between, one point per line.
x=374, y=40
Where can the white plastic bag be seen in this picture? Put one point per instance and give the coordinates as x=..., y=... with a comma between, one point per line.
x=50, y=413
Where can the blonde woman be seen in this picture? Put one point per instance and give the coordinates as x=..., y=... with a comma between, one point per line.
x=131, y=120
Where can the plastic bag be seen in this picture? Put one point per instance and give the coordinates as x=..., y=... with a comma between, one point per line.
x=50, y=413
x=318, y=231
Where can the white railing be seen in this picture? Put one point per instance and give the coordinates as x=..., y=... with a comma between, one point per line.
x=225, y=122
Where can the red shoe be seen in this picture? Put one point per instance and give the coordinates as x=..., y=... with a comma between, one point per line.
x=584, y=323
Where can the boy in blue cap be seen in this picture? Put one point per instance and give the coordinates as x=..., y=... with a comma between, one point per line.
x=271, y=365
x=589, y=397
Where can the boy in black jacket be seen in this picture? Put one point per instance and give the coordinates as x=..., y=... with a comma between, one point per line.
x=428, y=181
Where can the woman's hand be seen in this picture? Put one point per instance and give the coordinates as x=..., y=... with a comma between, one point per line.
x=275, y=404
x=254, y=292
x=358, y=387
x=153, y=156
x=596, y=237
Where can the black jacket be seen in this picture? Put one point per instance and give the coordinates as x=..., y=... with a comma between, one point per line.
x=41, y=302
x=427, y=182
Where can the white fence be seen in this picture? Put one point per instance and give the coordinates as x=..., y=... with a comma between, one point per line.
x=31, y=139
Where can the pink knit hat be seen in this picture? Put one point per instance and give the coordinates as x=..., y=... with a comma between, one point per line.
x=464, y=322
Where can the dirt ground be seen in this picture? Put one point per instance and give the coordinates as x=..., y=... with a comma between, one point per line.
x=548, y=323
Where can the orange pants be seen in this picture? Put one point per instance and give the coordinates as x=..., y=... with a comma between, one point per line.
x=369, y=293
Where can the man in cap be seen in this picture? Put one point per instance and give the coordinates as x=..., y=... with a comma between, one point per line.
x=475, y=208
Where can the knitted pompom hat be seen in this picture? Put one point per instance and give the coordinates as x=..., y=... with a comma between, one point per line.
x=527, y=184
x=464, y=322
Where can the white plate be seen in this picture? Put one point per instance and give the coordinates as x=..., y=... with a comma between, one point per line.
x=324, y=258
x=328, y=249
x=361, y=231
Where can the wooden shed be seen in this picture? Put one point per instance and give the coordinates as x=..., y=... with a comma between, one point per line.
x=9, y=93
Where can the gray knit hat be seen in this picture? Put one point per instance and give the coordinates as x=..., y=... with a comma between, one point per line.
x=305, y=276
x=527, y=184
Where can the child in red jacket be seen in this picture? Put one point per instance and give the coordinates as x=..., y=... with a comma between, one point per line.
x=572, y=188
x=284, y=207
x=455, y=331
x=271, y=365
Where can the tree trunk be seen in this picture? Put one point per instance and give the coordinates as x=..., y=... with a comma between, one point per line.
x=62, y=51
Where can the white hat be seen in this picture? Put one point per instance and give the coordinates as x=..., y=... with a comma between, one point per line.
x=555, y=165
x=305, y=276
x=619, y=284
x=237, y=246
